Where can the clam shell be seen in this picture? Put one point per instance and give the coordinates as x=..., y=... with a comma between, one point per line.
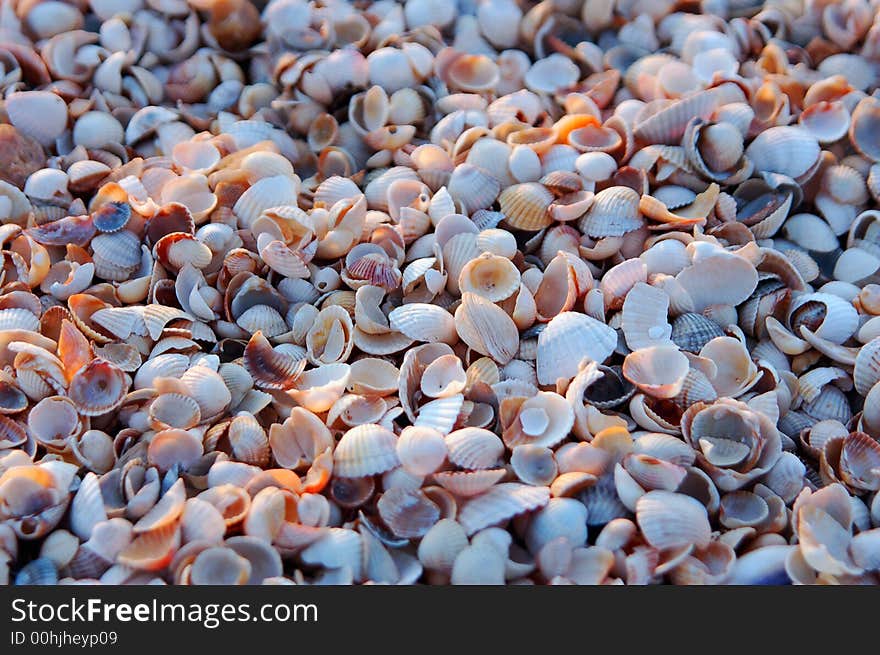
x=614, y=212
x=785, y=150
x=441, y=544
x=486, y=328
x=501, y=502
x=407, y=513
x=862, y=125
x=670, y=520
x=525, y=206
x=424, y=322
x=568, y=338
x=41, y=115
x=493, y=277
x=365, y=450
x=644, y=321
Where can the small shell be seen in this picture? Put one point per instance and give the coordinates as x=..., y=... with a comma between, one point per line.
x=441, y=544
x=786, y=150
x=424, y=322
x=486, y=328
x=614, y=212
x=670, y=520
x=568, y=338
x=501, y=502
x=863, y=125
x=421, y=450
x=825, y=121
x=534, y=465
x=493, y=277
x=474, y=448
x=407, y=513
x=525, y=206
x=41, y=115
x=658, y=371
x=365, y=450
x=443, y=377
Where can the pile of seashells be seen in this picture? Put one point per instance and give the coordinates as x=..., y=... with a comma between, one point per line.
x=438, y=291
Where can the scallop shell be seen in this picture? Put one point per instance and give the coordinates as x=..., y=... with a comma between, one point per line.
x=486, y=328
x=785, y=150
x=41, y=115
x=569, y=338
x=525, y=206
x=501, y=502
x=474, y=448
x=614, y=212
x=365, y=450
x=864, y=124
x=670, y=520
x=424, y=322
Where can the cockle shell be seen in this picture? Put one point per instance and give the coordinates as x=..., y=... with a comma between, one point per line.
x=486, y=328
x=567, y=339
x=365, y=450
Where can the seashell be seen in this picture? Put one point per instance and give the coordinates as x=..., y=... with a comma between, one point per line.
x=561, y=518
x=492, y=277
x=614, y=212
x=53, y=421
x=543, y=420
x=98, y=388
x=336, y=548
x=862, y=125
x=567, y=339
x=644, y=321
x=658, y=370
x=421, y=450
x=408, y=514
x=473, y=73
x=666, y=123
x=174, y=447
x=825, y=121
x=329, y=341
x=441, y=544
x=551, y=73
x=424, y=322
x=41, y=115
x=501, y=502
x=474, y=448
x=268, y=192
x=824, y=542
x=443, y=377
x=208, y=389
x=859, y=459
x=95, y=129
x=705, y=289
x=828, y=317
x=785, y=150
x=534, y=465
x=365, y=450
x=478, y=565
x=525, y=206
x=670, y=520
x=486, y=328
x=691, y=332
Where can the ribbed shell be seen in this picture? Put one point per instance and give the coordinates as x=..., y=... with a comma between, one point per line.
x=365, y=450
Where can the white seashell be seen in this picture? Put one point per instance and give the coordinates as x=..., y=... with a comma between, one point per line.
x=38, y=114
x=96, y=129
x=569, y=338
x=786, y=150
x=501, y=502
x=670, y=520
x=424, y=322
x=365, y=450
